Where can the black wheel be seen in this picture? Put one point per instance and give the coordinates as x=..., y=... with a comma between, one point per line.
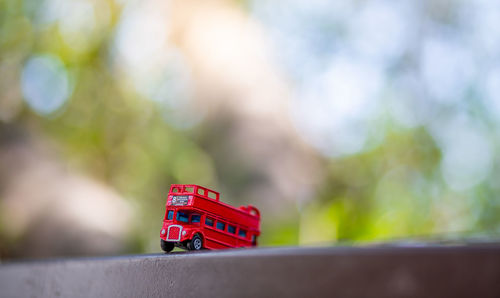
x=167, y=246
x=196, y=243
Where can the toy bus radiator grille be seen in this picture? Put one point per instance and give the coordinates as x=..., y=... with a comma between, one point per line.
x=174, y=232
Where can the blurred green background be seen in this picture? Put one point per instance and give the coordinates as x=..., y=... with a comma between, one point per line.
x=342, y=121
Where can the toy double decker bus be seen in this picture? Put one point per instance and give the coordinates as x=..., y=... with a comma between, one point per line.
x=195, y=218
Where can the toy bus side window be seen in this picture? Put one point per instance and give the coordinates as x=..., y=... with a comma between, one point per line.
x=242, y=233
x=221, y=225
x=170, y=215
x=209, y=222
x=195, y=218
x=189, y=189
x=231, y=229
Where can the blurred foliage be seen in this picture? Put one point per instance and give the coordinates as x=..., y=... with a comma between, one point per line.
x=107, y=130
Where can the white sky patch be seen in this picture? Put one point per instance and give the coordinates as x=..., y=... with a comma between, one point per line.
x=45, y=84
x=485, y=18
x=350, y=87
x=305, y=32
x=491, y=89
x=382, y=30
x=336, y=108
x=447, y=69
x=467, y=152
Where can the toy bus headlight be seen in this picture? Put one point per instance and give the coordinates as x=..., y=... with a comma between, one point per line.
x=183, y=233
x=163, y=231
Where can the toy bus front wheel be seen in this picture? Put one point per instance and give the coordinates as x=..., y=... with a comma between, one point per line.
x=167, y=246
x=196, y=243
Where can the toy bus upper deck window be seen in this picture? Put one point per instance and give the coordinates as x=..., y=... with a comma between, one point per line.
x=175, y=189
x=209, y=222
x=221, y=225
x=195, y=218
x=201, y=191
x=212, y=195
x=242, y=233
x=189, y=189
x=231, y=229
x=181, y=216
x=170, y=215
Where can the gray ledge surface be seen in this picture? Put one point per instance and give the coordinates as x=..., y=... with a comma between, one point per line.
x=379, y=271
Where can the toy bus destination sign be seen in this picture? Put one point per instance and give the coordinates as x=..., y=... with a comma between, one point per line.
x=180, y=200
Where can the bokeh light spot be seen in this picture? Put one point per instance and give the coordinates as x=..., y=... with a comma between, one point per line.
x=447, y=69
x=492, y=91
x=45, y=84
x=387, y=44
x=467, y=152
x=336, y=107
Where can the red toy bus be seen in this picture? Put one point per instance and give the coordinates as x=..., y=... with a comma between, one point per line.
x=196, y=219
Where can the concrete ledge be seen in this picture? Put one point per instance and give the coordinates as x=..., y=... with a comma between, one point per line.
x=395, y=271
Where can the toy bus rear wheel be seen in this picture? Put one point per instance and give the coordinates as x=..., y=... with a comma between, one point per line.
x=196, y=243
x=167, y=246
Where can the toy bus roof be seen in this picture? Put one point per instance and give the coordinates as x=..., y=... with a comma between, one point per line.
x=249, y=213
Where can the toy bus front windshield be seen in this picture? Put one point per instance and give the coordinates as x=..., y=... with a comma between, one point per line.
x=185, y=216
